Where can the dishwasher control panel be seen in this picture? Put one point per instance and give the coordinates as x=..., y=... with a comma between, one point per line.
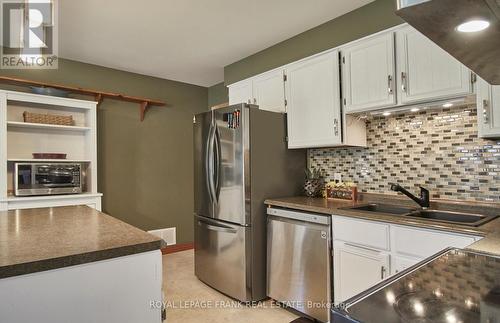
x=301, y=216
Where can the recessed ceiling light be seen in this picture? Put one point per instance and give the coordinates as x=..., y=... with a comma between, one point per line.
x=447, y=105
x=386, y=114
x=415, y=110
x=473, y=26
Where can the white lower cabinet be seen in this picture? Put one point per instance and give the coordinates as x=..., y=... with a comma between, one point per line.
x=366, y=252
x=422, y=243
x=400, y=263
x=357, y=268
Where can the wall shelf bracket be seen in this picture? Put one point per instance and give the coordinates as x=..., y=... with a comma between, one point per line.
x=142, y=109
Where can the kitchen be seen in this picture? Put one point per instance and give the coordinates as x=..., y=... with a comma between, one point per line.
x=397, y=128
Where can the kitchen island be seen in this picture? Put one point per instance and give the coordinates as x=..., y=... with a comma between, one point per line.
x=76, y=264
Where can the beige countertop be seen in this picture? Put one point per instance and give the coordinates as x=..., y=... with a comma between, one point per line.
x=490, y=230
x=34, y=240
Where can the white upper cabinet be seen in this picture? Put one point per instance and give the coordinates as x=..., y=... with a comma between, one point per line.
x=488, y=109
x=426, y=71
x=314, y=112
x=269, y=91
x=266, y=90
x=368, y=71
x=241, y=92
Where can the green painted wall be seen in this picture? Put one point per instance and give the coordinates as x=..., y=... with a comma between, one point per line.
x=217, y=94
x=145, y=168
x=374, y=17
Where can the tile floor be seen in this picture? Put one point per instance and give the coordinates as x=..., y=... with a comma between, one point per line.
x=186, y=295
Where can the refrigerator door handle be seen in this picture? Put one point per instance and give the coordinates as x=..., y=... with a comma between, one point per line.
x=216, y=227
x=209, y=163
x=218, y=157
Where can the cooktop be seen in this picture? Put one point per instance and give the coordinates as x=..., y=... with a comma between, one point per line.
x=453, y=286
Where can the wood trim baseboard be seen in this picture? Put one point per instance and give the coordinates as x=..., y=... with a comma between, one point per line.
x=177, y=247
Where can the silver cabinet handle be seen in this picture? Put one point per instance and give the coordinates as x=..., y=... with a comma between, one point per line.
x=382, y=272
x=486, y=112
x=389, y=83
x=403, y=81
x=336, y=126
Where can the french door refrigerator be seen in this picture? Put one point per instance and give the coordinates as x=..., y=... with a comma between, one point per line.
x=240, y=159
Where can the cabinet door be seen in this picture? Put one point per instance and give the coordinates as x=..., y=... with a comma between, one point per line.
x=400, y=263
x=423, y=243
x=269, y=91
x=488, y=109
x=313, y=110
x=368, y=73
x=241, y=92
x=427, y=72
x=357, y=269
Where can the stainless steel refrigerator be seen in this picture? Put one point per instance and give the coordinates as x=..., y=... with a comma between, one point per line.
x=241, y=158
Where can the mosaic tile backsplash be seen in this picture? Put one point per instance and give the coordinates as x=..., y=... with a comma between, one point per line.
x=437, y=149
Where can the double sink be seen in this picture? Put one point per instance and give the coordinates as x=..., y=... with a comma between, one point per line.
x=468, y=219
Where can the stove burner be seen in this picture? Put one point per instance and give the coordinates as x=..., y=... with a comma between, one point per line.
x=420, y=306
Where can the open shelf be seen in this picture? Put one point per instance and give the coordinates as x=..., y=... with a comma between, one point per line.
x=51, y=197
x=33, y=160
x=18, y=124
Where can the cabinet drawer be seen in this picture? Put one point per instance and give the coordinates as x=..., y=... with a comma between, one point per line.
x=366, y=233
x=424, y=243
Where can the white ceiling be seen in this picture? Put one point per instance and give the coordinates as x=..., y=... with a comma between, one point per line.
x=184, y=40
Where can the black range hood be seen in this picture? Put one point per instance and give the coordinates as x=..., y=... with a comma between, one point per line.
x=438, y=20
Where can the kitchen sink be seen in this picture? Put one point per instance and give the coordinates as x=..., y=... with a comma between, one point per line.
x=469, y=219
x=452, y=217
x=382, y=208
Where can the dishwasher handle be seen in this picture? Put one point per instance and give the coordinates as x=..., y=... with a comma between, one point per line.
x=300, y=216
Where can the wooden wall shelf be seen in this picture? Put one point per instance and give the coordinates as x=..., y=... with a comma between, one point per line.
x=144, y=103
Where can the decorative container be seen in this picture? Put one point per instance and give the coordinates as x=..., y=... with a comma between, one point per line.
x=342, y=192
x=314, y=187
x=48, y=118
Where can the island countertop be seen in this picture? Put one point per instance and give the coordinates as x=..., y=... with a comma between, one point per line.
x=34, y=240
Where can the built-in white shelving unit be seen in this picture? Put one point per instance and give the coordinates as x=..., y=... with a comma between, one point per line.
x=12, y=124
x=19, y=140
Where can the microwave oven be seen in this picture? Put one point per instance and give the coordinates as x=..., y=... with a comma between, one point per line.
x=32, y=179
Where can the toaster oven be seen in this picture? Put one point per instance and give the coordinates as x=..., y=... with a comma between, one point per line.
x=47, y=178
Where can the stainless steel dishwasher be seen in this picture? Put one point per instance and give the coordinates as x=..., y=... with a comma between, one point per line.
x=299, y=261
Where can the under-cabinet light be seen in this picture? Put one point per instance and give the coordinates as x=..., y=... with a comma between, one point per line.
x=473, y=26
